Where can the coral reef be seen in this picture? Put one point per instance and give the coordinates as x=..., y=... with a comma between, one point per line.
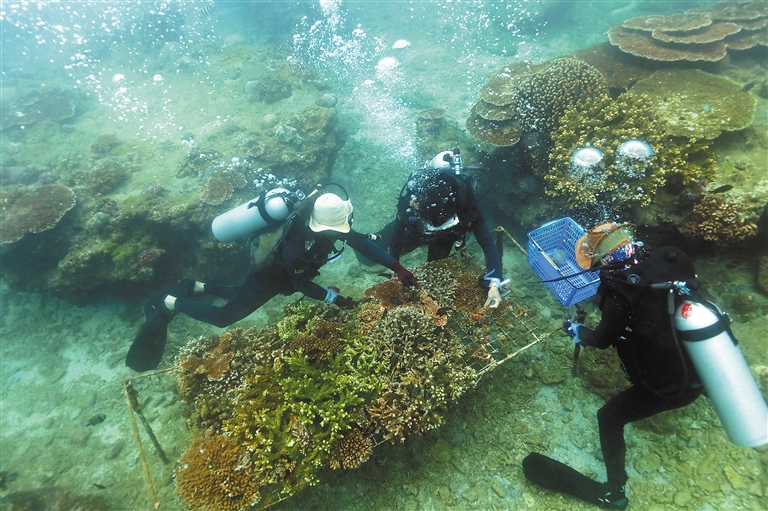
x=430, y=120
x=215, y=474
x=52, y=105
x=695, y=104
x=213, y=366
x=104, y=144
x=351, y=450
x=35, y=211
x=719, y=221
x=107, y=175
x=605, y=124
x=531, y=97
x=699, y=34
x=217, y=190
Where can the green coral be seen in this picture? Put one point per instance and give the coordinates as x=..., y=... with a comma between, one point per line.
x=605, y=124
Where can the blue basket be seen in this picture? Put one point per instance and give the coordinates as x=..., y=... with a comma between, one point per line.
x=551, y=255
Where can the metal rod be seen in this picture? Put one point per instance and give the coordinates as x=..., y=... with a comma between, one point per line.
x=142, y=457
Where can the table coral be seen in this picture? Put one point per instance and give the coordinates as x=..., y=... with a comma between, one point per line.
x=215, y=474
x=51, y=105
x=719, y=221
x=699, y=34
x=35, y=211
x=695, y=104
x=520, y=98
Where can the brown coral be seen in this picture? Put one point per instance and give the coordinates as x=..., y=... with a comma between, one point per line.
x=693, y=103
x=351, y=450
x=36, y=211
x=213, y=366
x=104, y=144
x=698, y=34
x=324, y=338
x=217, y=190
x=642, y=44
x=215, y=474
x=518, y=98
x=719, y=222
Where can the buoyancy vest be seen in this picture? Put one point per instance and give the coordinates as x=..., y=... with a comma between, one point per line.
x=649, y=350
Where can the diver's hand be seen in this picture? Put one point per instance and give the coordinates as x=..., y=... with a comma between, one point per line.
x=572, y=329
x=494, y=296
x=406, y=278
x=345, y=302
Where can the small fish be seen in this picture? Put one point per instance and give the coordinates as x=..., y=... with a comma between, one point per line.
x=100, y=486
x=721, y=189
x=205, y=10
x=96, y=419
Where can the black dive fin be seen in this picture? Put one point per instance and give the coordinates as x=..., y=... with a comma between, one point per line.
x=556, y=476
x=147, y=349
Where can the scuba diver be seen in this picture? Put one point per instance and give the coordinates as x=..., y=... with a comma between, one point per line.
x=437, y=207
x=673, y=346
x=308, y=237
x=635, y=319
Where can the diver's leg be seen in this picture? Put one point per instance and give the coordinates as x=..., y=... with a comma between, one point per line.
x=631, y=405
x=254, y=293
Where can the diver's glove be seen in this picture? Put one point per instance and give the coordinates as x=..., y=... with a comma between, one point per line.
x=494, y=294
x=572, y=329
x=331, y=294
x=345, y=302
x=406, y=278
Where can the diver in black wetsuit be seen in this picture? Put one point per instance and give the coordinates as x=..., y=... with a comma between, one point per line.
x=438, y=208
x=636, y=320
x=304, y=248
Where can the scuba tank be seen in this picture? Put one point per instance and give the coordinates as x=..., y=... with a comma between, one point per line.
x=268, y=210
x=730, y=387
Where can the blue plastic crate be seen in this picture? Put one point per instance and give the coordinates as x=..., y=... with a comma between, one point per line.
x=551, y=255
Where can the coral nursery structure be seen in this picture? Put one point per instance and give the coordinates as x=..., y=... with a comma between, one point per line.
x=319, y=388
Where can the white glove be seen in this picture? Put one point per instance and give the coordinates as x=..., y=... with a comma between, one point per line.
x=494, y=295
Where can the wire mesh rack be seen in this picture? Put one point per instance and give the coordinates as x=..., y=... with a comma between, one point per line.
x=491, y=337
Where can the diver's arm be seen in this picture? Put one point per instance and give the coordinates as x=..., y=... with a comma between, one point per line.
x=365, y=246
x=483, y=236
x=613, y=323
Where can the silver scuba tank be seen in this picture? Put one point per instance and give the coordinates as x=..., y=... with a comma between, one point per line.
x=267, y=210
x=724, y=373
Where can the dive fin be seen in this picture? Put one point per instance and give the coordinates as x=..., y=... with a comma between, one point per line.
x=556, y=476
x=147, y=349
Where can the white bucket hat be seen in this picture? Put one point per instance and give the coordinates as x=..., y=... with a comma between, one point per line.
x=330, y=213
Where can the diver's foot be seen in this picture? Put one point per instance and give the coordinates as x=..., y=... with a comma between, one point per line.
x=614, y=498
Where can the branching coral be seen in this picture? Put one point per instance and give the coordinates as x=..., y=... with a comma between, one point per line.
x=213, y=366
x=215, y=474
x=605, y=124
x=351, y=450
x=719, y=221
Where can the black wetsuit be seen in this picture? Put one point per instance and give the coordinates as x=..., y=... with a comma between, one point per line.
x=635, y=319
x=299, y=257
x=407, y=232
